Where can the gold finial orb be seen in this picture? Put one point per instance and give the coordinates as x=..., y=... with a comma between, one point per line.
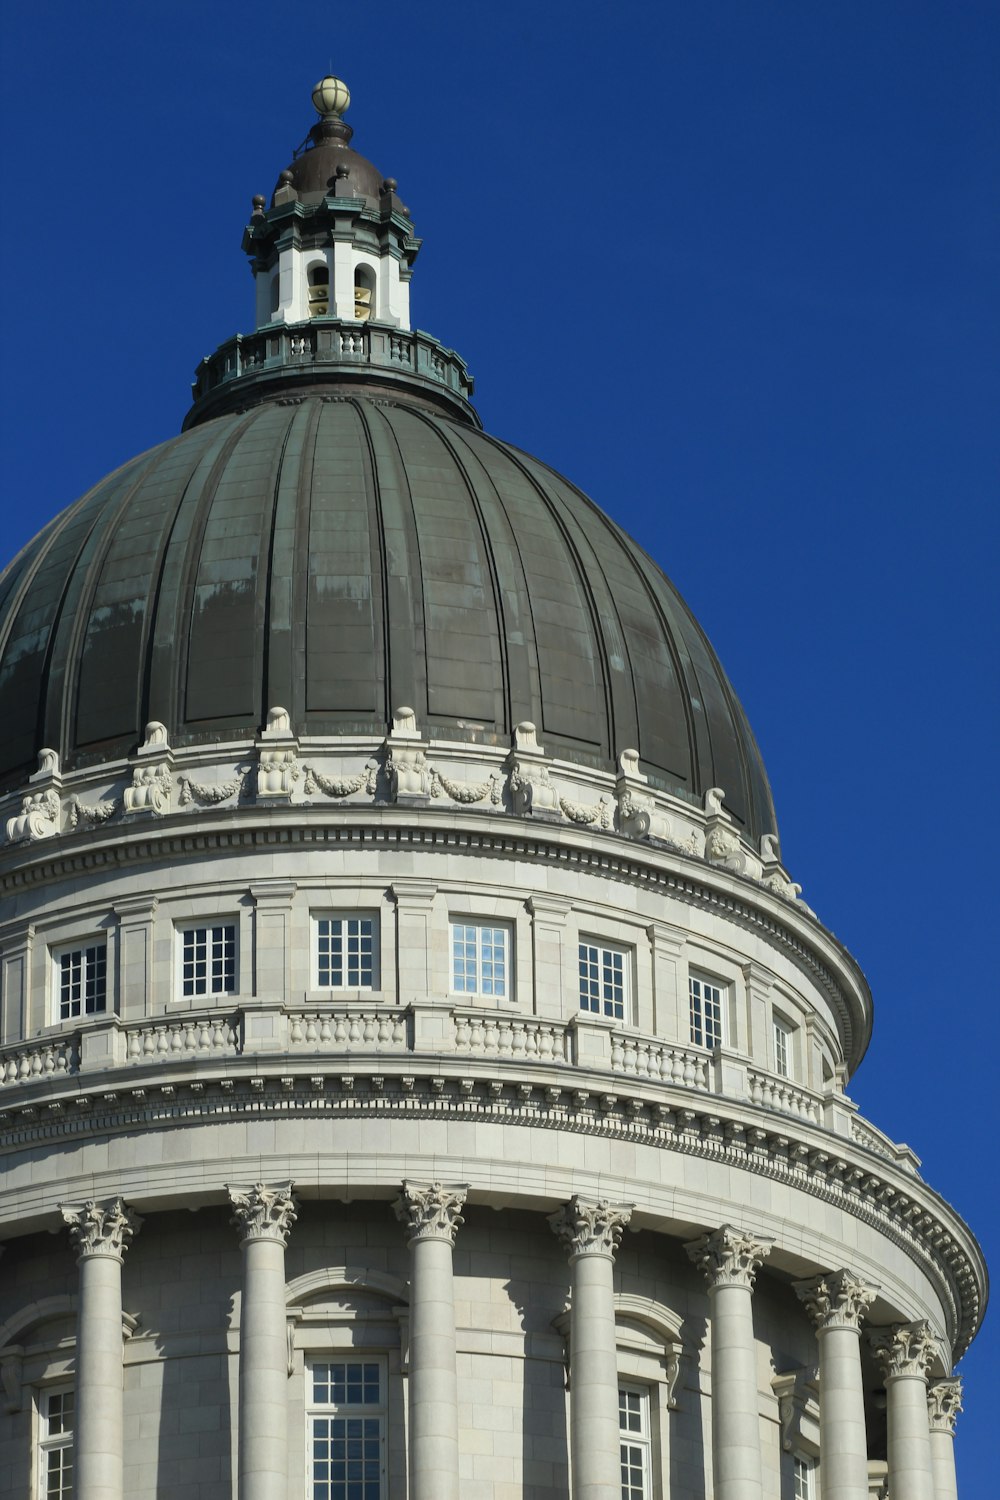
x=331, y=96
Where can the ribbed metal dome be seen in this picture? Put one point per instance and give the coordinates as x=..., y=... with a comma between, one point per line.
x=341, y=555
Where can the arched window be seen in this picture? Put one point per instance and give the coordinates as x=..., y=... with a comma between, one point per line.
x=319, y=291
x=364, y=293
x=275, y=293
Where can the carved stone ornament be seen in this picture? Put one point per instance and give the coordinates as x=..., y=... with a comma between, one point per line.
x=340, y=786
x=101, y=1228
x=944, y=1402
x=149, y=793
x=590, y=1228
x=263, y=1213
x=838, y=1299
x=729, y=1257
x=531, y=789
x=38, y=819
x=431, y=1210
x=211, y=792
x=91, y=812
x=408, y=772
x=905, y=1350
x=467, y=792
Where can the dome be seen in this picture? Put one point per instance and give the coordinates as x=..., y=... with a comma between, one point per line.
x=342, y=554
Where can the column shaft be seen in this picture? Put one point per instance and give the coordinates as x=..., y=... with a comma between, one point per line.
x=263, y=1430
x=843, y=1435
x=433, y=1376
x=735, y=1419
x=909, y=1446
x=98, y=1458
x=594, y=1431
x=943, y=1465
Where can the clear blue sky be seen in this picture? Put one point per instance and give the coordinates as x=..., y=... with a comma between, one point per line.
x=729, y=264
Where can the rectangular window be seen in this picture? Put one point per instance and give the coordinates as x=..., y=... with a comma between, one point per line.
x=782, y=1050
x=633, y=1425
x=604, y=974
x=83, y=981
x=803, y=1470
x=347, y=1430
x=480, y=959
x=706, y=1012
x=55, y=1444
x=208, y=960
x=345, y=953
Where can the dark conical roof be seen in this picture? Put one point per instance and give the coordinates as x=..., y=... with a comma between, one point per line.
x=341, y=555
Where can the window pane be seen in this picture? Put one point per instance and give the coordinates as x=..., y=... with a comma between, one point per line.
x=208, y=960
x=479, y=959
x=345, y=953
x=706, y=1013
x=83, y=982
x=602, y=981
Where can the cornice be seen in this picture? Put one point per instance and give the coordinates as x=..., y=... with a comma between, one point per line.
x=815, y=1161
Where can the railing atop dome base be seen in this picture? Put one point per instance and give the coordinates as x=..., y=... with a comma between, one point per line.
x=263, y=1032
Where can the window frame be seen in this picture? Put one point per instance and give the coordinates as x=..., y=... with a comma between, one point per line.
x=82, y=947
x=641, y=1439
x=315, y=1410
x=48, y=1442
x=711, y=1037
x=481, y=925
x=188, y=928
x=606, y=1007
x=804, y=1467
x=342, y=915
x=783, y=1047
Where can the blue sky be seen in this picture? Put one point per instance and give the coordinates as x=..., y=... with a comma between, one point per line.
x=732, y=267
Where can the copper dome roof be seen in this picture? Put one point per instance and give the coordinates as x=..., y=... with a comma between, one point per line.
x=344, y=554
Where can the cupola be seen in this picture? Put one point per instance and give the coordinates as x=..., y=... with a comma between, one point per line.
x=336, y=241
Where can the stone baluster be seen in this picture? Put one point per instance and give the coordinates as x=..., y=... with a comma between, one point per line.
x=836, y=1303
x=730, y=1260
x=432, y=1213
x=904, y=1353
x=591, y=1233
x=944, y=1402
x=100, y=1233
x=263, y=1216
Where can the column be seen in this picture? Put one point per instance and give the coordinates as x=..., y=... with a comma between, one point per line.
x=263, y=1215
x=591, y=1233
x=432, y=1212
x=730, y=1260
x=944, y=1402
x=836, y=1303
x=904, y=1352
x=100, y=1232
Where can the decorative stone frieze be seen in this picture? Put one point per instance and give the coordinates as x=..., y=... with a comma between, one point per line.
x=532, y=792
x=93, y=813
x=837, y=1299
x=467, y=792
x=101, y=1228
x=39, y=817
x=406, y=767
x=944, y=1402
x=340, y=786
x=211, y=792
x=591, y=1228
x=263, y=1213
x=729, y=1257
x=905, y=1349
x=431, y=1210
x=277, y=759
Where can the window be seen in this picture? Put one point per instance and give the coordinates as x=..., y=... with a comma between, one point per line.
x=208, y=960
x=782, y=1049
x=55, y=1444
x=603, y=980
x=319, y=291
x=803, y=1477
x=82, y=976
x=347, y=1430
x=706, y=1012
x=345, y=953
x=480, y=959
x=633, y=1425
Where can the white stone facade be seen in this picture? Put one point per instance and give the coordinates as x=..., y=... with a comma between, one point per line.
x=398, y=1150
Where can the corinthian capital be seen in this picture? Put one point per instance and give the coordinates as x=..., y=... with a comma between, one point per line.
x=263, y=1213
x=587, y=1228
x=944, y=1402
x=904, y=1349
x=101, y=1228
x=431, y=1210
x=729, y=1257
x=839, y=1299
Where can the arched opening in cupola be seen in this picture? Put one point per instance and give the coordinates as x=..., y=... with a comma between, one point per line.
x=319, y=290
x=364, y=293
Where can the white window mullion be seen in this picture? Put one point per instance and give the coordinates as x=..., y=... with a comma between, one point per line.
x=634, y=1442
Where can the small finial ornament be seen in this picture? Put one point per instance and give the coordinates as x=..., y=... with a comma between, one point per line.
x=331, y=97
